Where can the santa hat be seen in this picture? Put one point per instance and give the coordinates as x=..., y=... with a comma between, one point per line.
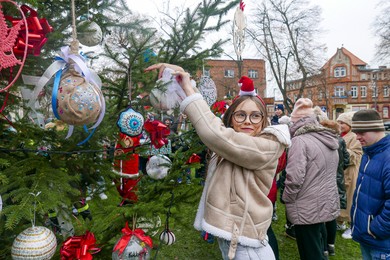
x=247, y=88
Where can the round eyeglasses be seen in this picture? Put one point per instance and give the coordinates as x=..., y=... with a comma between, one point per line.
x=240, y=117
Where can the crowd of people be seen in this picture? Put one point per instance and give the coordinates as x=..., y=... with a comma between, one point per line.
x=331, y=174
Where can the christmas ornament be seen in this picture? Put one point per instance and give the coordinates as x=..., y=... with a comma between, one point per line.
x=79, y=102
x=167, y=237
x=133, y=244
x=1, y=204
x=219, y=108
x=34, y=243
x=89, y=33
x=35, y=38
x=130, y=122
x=81, y=207
x=79, y=247
x=239, y=26
x=158, y=132
x=126, y=161
x=208, y=90
x=149, y=225
x=167, y=94
x=8, y=37
x=158, y=166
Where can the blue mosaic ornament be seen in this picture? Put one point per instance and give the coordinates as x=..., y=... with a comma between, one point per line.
x=130, y=122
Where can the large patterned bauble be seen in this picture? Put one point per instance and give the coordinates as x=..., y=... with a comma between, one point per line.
x=89, y=33
x=130, y=122
x=158, y=166
x=208, y=90
x=34, y=243
x=167, y=237
x=135, y=250
x=78, y=102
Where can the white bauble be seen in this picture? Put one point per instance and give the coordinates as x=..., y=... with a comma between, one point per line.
x=167, y=237
x=158, y=166
x=208, y=90
x=89, y=33
x=135, y=250
x=34, y=243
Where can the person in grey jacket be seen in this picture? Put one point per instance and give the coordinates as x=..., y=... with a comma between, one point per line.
x=310, y=193
x=234, y=206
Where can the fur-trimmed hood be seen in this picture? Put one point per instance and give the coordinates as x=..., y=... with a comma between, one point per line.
x=327, y=135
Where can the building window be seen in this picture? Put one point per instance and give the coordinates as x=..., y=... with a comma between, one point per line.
x=363, y=91
x=385, y=91
x=229, y=73
x=363, y=76
x=357, y=108
x=385, y=112
x=253, y=74
x=340, y=72
x=206, y=72
x=339, y=91
x=354, y=91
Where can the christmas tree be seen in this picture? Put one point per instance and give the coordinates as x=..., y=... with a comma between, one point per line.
x=63, y=183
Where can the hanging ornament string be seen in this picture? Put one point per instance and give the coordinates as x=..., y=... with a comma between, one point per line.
x=35, y=205
x=166, y=221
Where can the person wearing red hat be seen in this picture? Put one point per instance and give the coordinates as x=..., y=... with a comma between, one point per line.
x=234, y=206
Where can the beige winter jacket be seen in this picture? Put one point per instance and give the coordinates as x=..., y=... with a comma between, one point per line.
x=355, y=151
x=234, y=203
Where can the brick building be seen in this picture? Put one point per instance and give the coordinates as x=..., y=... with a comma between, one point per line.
x=226, y=73
x=346, y=83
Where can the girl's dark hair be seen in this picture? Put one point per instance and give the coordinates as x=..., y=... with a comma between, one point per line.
x=228, y=116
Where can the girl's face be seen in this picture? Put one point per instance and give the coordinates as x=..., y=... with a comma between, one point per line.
x=344, y=127
x=253, y=114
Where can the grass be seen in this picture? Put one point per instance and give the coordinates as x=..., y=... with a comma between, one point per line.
x=190, y=245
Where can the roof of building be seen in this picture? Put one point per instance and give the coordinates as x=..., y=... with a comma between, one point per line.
x=354, y=60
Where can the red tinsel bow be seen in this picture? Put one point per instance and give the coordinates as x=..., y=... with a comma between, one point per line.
x=194, y=158
x=158, y=133
x=127, y=234
x=79, y=247
x=37, y=30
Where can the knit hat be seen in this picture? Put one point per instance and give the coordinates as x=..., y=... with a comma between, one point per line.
x=346, y=117
x=279, y=106
x=302, y=108
x=367, y=120
x=247, y=88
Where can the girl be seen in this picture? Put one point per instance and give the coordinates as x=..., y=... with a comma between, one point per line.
x=234, y=206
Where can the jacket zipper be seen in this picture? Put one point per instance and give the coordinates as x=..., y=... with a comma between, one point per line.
x=357, y=193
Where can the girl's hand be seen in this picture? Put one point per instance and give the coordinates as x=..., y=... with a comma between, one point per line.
x=161, y=66
x=182, y=77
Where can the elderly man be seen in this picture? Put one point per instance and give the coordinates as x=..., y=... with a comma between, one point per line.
x=371, y=203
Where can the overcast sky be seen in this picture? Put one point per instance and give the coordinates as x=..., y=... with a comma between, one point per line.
x=346, y=23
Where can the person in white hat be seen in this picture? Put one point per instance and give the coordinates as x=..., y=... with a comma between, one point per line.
x=351, y=173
